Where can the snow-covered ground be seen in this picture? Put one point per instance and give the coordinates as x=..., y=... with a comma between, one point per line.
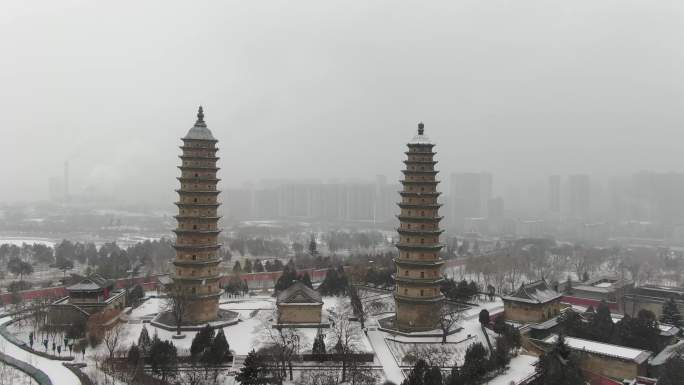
x=18, y=241
x=519, y=369
x=54, y=369
x=393, y=352
x=10, y=375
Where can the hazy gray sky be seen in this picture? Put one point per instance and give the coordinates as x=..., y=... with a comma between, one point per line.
x=335, y=88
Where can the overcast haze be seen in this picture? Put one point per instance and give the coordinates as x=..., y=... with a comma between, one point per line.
x=334, y=89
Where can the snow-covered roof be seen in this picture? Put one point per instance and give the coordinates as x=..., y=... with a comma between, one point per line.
x=534, y=292
x=199, y=131
x=603, y=284
x=421, y=138
x=622, y=352
x=667, y=353
x=666, y=330
x=299, y=294
x=91, y=283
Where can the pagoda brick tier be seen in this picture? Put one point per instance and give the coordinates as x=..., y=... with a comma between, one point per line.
x=196, y=266
x=418, y=298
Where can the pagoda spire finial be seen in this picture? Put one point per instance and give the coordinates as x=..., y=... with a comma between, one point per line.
x=200, y=115
x=421, y=128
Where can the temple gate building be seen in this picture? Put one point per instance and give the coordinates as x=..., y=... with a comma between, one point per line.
x=418, y=298
x=299, y=305
x=196, y=266
x=92, y=295
x=532, y=302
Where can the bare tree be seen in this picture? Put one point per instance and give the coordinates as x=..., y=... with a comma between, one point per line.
x=447, y=320
x=357, y=305
x=284, y=343
x=344, y=335
x=177, y=303
x=111, y=337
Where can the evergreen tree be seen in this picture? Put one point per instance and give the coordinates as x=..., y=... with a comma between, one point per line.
x=236, y=267
x=484, y=317
x=601, y=325
x=568, y=285
x=319, y=343
x=454, y=377
x=571, y=324
x=417, y=374
x=673, y=371
x=671, y=314
x=559, y=366
x=501, y=355
x=163, y=358
x=641, y=332
x=144, y=342
x=312, y=246
x=202, y=342
x=357, y=306
x=258, y=266
x=433, y=376
x=248, y=266
x=287, y=278
x=585, y=276
x=252, y=371
x=133, y=355
x=474, y=363
x=219, y=349
x=334, y=283
x=306, y=279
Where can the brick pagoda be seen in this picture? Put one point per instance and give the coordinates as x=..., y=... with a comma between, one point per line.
x=196, y=272
x=418, y=276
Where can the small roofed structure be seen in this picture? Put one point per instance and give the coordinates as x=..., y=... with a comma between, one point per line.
x=532, y=302
x=613, y=361
x=92, y=295
x=656, y=363
x=299, y=305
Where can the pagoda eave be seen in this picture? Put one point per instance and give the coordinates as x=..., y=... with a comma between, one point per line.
x=418, y=263
x=426, y=182
x=419, y=205
x=419, y=194
x=419, y=231
x=198, y=247
x=198, y=168
x=197, y=179
x=419, y=300
x=205, y=219
x=417, y=281
x=185, y=139
x=420, y=172
x=197, y=279
x=207, y=192
x=199, y=157
x=199, y=232
x=419, y=219
x=198, y=148
x=181, y=204
x=419, y=247
x=196, y=263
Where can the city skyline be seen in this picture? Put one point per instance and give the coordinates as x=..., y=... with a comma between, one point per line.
x=499, y=95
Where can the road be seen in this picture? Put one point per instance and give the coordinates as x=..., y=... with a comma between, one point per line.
x=389, y=364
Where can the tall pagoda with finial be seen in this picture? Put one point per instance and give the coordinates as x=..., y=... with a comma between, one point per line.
x=418, y=276
x=196, y=266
